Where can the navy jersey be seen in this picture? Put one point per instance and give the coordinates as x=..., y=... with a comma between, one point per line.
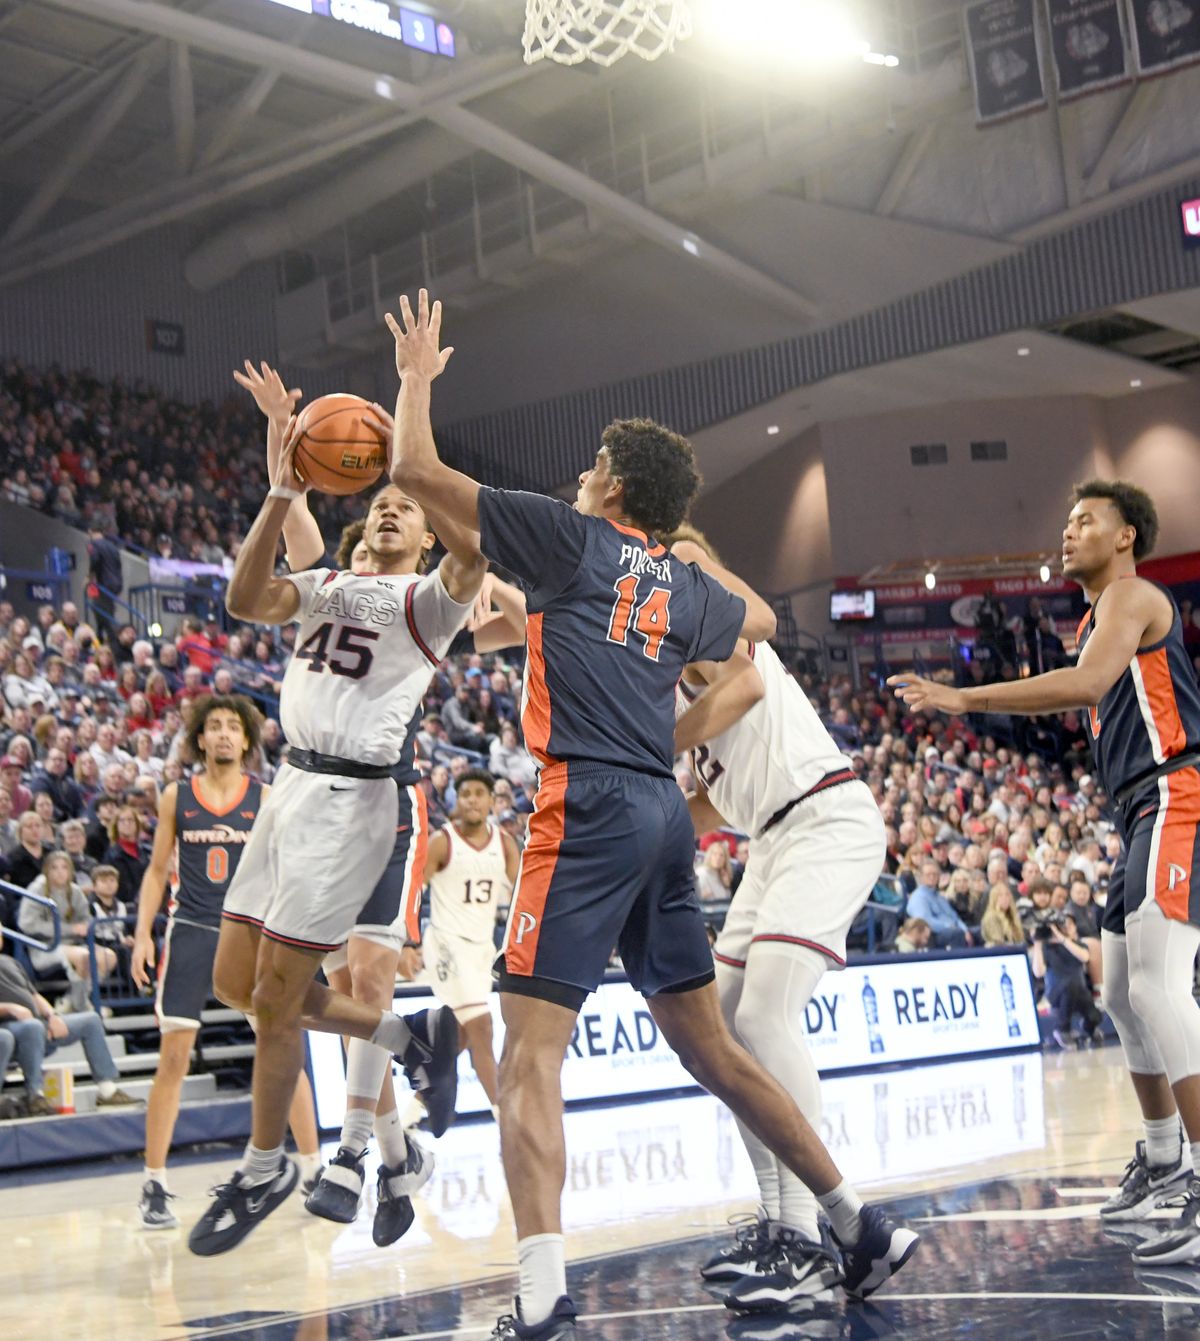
x=1150, y=715
x=612, y=621
x=208, y=847
x=406, y=772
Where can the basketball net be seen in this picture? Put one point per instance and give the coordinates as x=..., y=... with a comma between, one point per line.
x=602, y=31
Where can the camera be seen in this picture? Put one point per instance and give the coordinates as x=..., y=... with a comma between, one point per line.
x=1043, y=931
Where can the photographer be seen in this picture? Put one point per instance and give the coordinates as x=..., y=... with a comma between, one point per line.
x=1060, y=959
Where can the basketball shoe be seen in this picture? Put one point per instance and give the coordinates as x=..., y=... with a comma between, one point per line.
x=791, y=1266
x=1180, y=1243
x=238, y=1207
x=430, y=1061
x=337, y=1191
x=1143, y=1185
x=155, y=1212
x=308, y=1184
x=882, y=1249
x=739, y=1258
x=394, y=1209
x=560, y=1324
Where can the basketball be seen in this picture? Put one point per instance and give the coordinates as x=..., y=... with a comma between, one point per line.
x=338, y=453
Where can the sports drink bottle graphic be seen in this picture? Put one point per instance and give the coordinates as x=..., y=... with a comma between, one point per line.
x=1010, y=1004
x=871, y=1011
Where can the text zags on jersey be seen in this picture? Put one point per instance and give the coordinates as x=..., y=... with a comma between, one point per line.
x=363, y=607
x=635, y=558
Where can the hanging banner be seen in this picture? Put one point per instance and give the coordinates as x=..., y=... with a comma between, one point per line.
x=1166, y=34
x=1087, y=38
x=1005, y=57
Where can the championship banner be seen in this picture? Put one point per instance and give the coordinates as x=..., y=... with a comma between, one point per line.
x=1087, y=38
x=1166, y=34
x=1004, y=53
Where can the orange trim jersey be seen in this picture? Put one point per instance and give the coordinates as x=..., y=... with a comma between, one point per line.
x=612, y=621
x=1151, y=714
x=208, y=847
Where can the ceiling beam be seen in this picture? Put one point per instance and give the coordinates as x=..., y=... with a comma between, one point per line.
x=915, y=149
x=97, y=131
x=67, y=106
x=1133, y=122
x=182, y=95
x=357, y=81
x=242, y=110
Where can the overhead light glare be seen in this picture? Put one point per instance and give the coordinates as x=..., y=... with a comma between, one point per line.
x=1044, y=572
x=691, y=246
x=1023, y=352
x=808, y=31
x=1135, y=381
x=930, y=580
x=772, y=430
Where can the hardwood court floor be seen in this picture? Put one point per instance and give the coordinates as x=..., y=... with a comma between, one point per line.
x=1000, y=1163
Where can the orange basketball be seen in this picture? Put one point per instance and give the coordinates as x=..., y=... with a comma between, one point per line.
x=337, y=452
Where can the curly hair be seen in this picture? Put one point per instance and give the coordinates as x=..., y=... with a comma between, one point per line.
x=352, y=533
x=658, y=471
x=198, y=713
x=1135, y=506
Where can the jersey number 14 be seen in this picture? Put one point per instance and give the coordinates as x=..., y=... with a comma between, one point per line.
x=651, y=618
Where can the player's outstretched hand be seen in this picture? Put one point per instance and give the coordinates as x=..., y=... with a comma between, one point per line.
x=418, y=339
x=285, y=474
x=481, y=611
x=141, y=957
x=928, y=695
x=269, y=392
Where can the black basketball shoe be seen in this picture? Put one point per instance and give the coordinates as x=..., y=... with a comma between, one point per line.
x=559, y=1326
x=394, y=1210
x=338, y=1189
x=238, y=1207
x=430, y=1061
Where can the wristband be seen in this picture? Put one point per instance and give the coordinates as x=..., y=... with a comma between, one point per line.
x=412, y=945
x=281, y=491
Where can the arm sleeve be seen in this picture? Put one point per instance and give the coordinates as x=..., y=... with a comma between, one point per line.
x=307, y=583
x=433, y=615
x=720, y=615
x=538, y=539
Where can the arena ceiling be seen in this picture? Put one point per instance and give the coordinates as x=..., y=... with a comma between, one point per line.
x=357, y=164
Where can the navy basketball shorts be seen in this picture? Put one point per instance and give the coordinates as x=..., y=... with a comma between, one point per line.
x=185, y=975
x=609, y=863
x=1160, y=858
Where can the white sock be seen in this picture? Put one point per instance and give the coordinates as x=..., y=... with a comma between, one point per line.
x=1195, y=1152
x=389, y=1133
x=158, y=1176
x=843, y=1206
x=392, y=1033
x=356, y=1128
x=543, y=1275
x=1163, y=1139
x=309, y=1165
x=106, y=1088
x=259, y=1166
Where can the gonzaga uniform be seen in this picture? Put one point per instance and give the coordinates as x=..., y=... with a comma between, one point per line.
x=817, y=838
x=365, y=649
x=208, y=849
x=458, y=946
x=1145, y=736
x=612, y=621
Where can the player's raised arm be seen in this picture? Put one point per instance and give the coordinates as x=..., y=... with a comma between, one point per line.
x=154, y=887
x=415, y=465
x=734, y=687
x=760, y=622
x=504, y=626
x=1130, y=609
x=255, y=593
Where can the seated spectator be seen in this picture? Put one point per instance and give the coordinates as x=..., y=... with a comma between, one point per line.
x=70, y=955
x=31, y=1029
x=106, y=750
x=24, y=863
x=128, y=852
x=462, y=721
x=43, y=807
x=100, y=828
x=439, y=796
x=55, y=781
x=1059, y=959
x=929, y=904
x=1001, y=925
x=9, y=828
x=19, y=795
x=1087, y=921
x=509, y=759
x=73, y=835
x=149, y=765
x=112, y=789
x=914, y=936
x=714, y=877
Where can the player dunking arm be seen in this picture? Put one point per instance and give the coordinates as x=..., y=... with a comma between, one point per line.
x=364, y=648
x=472, y=868
x=365, y=966
x=764, y=762
x=1136, y=680
x=613, y=620
x=203, y=822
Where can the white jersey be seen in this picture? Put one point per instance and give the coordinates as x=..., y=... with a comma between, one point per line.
x=774, y=754
x=465, y=893
x=365, y=650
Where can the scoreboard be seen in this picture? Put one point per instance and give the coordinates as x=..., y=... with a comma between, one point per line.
x=386, y=18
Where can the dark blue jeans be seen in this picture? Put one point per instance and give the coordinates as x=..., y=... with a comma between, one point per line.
x=28, y=1039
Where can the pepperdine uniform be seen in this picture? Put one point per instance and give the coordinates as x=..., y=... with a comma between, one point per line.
x=392, y=914
x=1145, y=737
x=208, y=850
x=458, y=946
x=612, y=621
x=817, y=837
x=364, y=654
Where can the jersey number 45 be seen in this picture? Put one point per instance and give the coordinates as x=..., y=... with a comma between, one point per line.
x=315, y=650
